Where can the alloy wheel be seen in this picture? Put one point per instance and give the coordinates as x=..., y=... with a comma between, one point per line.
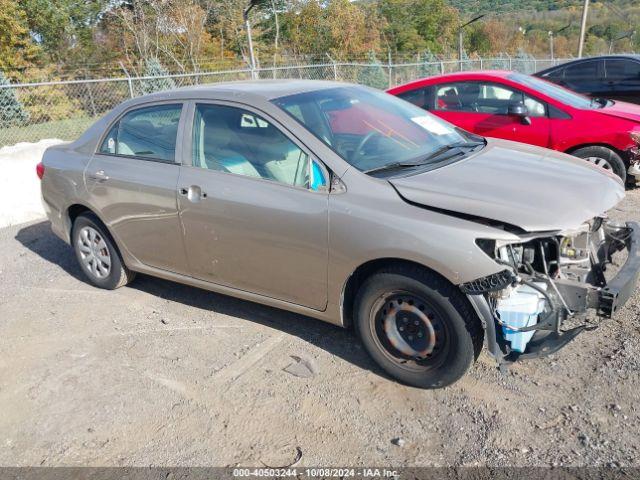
x=599, y=161
x=94, y=252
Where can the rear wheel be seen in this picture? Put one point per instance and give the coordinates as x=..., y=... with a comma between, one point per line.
x=97, y=254
x=417, y=326
x=603, y=157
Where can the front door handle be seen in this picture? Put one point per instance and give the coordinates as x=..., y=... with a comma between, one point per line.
x=193, y=193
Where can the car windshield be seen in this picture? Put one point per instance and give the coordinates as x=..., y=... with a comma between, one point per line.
x=554, y=91
x=373, y=130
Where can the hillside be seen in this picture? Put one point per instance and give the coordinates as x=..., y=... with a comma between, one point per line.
x=504, y=6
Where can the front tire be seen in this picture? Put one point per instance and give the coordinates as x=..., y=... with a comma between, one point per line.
x=603, y=157
x=97, y=255
x=417, y=326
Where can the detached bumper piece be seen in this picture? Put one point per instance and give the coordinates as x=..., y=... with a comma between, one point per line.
x=621, y=287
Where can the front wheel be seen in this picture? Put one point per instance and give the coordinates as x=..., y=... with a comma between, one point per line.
x=603, y=157
x=417, y=326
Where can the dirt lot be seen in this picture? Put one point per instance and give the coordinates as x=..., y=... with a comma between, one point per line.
x=161, y=374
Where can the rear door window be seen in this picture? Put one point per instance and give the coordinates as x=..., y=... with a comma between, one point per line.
x=148, y=133
x=420, y=97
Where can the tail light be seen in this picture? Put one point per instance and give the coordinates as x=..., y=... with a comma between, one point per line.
x=40, y=170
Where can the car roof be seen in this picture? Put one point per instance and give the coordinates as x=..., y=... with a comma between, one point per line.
x=264, y=90
x=452, y=77
x=630, y=56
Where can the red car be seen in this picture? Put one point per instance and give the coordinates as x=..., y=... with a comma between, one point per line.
x=519, y=107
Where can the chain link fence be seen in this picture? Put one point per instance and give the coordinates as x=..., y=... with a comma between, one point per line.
x=35, y=111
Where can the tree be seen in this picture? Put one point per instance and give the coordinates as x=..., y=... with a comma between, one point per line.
x=373, y=75
x=338, y=27
x=154, y=68
x=413, y=25
x=17, y=50
x=170, y=31
x=64, y=28
x=11, y=110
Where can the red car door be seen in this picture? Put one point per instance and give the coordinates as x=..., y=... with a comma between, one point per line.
x=483, y=108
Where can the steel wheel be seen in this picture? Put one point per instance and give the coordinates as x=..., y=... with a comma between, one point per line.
x=94, y=253
x=600, y=162
x=410, y=330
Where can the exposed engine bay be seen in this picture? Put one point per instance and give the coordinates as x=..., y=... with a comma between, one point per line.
x=549, y=279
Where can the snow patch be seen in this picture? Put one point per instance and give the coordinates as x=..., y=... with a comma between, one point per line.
x=19, y=184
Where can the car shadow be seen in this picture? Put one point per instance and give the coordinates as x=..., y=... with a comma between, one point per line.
x=341, y=342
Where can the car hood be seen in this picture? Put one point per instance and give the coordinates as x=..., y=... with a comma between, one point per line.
x=529, y=187
x=628, y=111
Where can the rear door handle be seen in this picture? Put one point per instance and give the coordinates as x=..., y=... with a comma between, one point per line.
x=99, y=176
x=193, y=193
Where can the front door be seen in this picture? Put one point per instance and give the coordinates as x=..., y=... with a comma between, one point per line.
x=483, y=108
x=132, y=180
x=254, y=208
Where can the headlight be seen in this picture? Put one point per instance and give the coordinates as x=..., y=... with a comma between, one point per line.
x=491, y=283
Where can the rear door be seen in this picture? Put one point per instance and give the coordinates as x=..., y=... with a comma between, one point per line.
x=623, y=75
x=254, y=206
x=483, y=108
x=132, y=181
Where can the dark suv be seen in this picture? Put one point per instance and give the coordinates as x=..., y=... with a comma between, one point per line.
x=616, y=77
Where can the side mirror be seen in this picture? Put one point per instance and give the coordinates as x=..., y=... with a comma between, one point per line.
x=520, y=110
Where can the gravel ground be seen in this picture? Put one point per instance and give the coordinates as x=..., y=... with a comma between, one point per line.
x=162, y=374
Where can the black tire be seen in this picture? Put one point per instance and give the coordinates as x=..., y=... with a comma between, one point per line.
x=117, y=274
x=456, y=326
x=610, y=156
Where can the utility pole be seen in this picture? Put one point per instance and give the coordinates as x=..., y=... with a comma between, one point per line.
x=247, y=24
x=583, y=27
x=460, y=38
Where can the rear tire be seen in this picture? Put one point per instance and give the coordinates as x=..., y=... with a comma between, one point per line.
x=97, y=254
x=604, y=157
x=417, y=326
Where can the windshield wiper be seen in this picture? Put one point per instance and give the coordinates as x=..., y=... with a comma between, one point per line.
x=425, y=160
x=452, y=146
x=394, y=166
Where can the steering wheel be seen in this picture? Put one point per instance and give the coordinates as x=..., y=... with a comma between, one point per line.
x=357, y=152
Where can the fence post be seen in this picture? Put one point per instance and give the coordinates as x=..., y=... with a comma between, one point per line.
x=389, y=66
x=128, y=79
x=88, y=87
x=335, y=67
x=441, y=67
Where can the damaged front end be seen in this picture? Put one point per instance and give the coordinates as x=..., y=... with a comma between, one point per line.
x=550, y=280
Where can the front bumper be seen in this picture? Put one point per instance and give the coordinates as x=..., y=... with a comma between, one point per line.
x=549, y=338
